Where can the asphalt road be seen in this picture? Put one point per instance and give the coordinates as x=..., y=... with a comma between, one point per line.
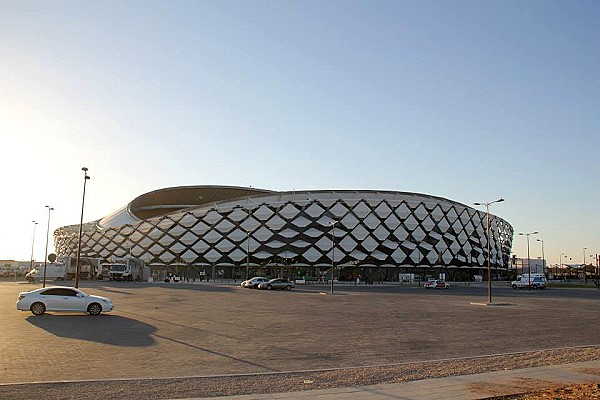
x=168, y=330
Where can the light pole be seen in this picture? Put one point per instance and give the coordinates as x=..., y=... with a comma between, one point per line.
x=46, y=254
x=32, y=242
x=583, y=266
x=528, y=259
x=247, y=254
x=85, y=178
x=489, y=268
x=595, y=257
x=597, y=272
x=332, y=251
x=561, y=255
x=543, y=259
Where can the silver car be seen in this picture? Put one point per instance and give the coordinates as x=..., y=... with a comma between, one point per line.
x=254, y=282
x=277, y=283
x=62, y=298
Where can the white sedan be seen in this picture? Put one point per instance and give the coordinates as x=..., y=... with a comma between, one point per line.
x=254, y=282
x=62, y=298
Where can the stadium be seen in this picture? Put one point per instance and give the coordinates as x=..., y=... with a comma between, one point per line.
x=233, y=232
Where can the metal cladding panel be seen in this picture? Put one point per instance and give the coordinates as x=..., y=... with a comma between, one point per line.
x=379, y=228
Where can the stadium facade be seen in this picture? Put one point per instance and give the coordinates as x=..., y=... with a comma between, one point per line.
x=237, y=231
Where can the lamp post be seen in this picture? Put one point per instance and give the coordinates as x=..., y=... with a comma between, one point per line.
x=46, y=254
x=597, y=271
x=32, y=242
x=561, y=255
x=85, y=178
x=543, y=258
x=528, y=259
x=595, y=257
x=247, y=254
x=489, y=268
x=583, y=266
x=332, y=251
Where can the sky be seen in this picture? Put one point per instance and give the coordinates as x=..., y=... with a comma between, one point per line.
x=466, y=100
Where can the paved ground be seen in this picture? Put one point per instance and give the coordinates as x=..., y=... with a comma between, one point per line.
x=162, y=330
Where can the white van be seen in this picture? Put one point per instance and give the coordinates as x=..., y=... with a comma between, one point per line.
x=537, y=281
x=54, y=271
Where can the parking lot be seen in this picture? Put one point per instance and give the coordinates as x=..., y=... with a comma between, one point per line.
x=167, y=330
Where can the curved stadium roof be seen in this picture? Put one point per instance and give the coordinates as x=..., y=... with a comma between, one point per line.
x=166, y=201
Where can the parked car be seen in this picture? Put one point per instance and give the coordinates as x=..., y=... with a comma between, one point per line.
x=62, y=298
x=436, y=284
x=277, y=283
x=173, y=278
x=253, y=282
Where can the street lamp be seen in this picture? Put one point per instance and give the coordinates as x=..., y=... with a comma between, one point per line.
x=595, y=269
x=332, y=251
x=597, y=272
x=543, y=258
x=489, y=268
x=85, y=178
x=46, y=254
x=583, y=266
x=528, y=259
x=561, y=255
x=32, y=242
x=247, y=254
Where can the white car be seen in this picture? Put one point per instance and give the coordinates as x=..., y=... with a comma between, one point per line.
x=254, y=282
x=436, y=284
x=62, y=298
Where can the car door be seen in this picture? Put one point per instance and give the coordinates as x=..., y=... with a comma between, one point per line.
x=73, y=300
x=64, y=299
x=52, y=299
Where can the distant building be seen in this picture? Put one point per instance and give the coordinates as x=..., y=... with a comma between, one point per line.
x=9, y=267
x=536, y=266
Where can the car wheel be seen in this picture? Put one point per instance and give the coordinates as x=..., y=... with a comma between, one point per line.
x=94, y=309
x=288, y=287
x=38, y=308
x=269, y=287
x=514, y=286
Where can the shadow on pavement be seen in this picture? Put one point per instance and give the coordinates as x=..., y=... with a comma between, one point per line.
x=107, y=329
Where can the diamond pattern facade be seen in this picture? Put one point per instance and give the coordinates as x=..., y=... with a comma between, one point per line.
x=373, y=228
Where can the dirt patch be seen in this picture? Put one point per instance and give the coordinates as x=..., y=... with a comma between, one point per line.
x=571, y=392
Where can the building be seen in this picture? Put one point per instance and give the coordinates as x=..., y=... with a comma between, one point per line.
x=533, y=265
x=14, y=268
x=234, y=231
